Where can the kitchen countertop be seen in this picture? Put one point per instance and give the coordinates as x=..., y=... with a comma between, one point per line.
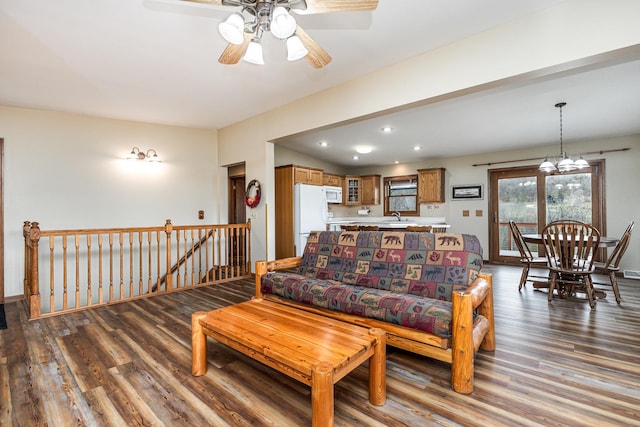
x=389, y=222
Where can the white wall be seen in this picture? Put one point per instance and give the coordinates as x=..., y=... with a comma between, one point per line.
x=68, y=171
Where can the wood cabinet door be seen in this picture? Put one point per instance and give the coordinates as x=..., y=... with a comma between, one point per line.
x=353, y=186
x=431, y=185
x=315, y=177
x=370, y=190
x=300, y=175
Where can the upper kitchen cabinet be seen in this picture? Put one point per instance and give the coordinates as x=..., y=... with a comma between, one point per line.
x=305, y=175
x=431, y=185
x=362, y=190
x=332, y=180
x=370, y=190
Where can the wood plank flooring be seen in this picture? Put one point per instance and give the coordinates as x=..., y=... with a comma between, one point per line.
x=558, y=364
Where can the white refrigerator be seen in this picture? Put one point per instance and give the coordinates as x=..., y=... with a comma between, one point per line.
x=309, y=213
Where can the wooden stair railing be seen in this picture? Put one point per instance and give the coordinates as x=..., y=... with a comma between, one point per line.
x=89, y=268
x=182, y=260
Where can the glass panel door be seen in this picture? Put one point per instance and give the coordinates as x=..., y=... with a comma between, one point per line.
x=569, y=197
x=532, y=199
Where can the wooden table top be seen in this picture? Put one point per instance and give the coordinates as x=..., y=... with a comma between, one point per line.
x=290, y=338
x=605, y=242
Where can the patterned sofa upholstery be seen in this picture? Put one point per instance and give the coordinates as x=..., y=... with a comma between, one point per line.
x=421, y=288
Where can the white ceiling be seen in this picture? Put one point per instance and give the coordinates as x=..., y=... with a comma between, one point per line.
x=156, y=61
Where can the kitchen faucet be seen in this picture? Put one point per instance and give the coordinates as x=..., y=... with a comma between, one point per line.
x=397, y=215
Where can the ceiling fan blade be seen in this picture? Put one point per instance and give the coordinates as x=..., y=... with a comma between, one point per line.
x=317, y=56
x=233, y=53
x=325, y=6
x=209, y=2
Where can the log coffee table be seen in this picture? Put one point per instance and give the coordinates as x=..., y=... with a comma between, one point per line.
x=315, y=350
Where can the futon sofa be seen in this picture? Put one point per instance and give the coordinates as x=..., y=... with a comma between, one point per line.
x=424, y=290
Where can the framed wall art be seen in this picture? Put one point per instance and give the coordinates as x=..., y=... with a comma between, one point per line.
x=467, y=192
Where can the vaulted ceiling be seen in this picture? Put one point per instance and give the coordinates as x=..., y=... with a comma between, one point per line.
x=157, y=61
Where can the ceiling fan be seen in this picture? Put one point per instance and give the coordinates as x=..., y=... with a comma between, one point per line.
x=244, y=29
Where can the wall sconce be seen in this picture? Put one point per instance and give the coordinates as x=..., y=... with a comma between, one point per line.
x=150, y=155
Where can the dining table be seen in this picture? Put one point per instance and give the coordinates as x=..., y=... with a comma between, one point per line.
x=605, y=242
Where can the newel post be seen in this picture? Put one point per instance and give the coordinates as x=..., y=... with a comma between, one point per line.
x=34, y=282
x=168, y=228
x=27, y=258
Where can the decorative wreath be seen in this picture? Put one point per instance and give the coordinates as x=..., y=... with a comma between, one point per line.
x=252, y=195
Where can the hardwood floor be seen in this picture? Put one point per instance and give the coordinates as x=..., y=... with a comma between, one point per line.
x=129, y=364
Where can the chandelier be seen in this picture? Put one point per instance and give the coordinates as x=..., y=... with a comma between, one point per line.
x=258, y=17
x=562, y=163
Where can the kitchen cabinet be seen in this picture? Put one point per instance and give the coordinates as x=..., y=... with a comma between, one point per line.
x=332, y=180
x=362, y=190
x=431, y=185
x=286, y=177
x=352, y=188
x=304, y=175
x=370, y=190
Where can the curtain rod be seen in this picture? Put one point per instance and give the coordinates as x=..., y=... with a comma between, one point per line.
x=540, y=158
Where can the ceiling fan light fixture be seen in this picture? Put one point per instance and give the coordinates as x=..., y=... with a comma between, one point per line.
x=283, y=25
x=295, y=48
x=254, y=53
x=232, y=28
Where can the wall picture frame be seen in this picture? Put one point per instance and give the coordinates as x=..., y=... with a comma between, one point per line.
x=467, y=192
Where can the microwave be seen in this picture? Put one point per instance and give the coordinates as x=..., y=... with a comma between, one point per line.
x=333, y=194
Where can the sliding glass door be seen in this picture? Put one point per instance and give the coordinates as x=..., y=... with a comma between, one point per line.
x=532, y=199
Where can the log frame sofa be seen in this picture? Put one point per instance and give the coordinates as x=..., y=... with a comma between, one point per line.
x=470, y=304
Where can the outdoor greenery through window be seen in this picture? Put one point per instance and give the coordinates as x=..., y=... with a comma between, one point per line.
x=401, y=195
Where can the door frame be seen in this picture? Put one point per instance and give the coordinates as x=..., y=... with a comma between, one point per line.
x=597, y=196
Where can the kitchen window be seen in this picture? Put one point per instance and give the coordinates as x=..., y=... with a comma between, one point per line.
x=401, y=195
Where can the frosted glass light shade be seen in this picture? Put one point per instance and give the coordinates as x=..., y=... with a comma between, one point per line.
x=254, y=53
x=232, y=28
x=547, y=166
x=566, y=164
x=581, y=163
x=283, y=24
x=295, y=48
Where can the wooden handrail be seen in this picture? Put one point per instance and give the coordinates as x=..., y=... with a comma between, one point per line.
x=92, y=267
x=182, y=260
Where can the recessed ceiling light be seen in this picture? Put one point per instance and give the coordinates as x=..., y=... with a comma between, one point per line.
x=417, y=148
x=323, y=144
x=355, y=157
x=387, y=129
x=395, y=162
x=363, y=149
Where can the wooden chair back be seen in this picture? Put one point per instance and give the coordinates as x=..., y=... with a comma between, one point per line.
x=614, y=259
x=418, y=228
x=368, y=228
x=525, y=252
x=349, y=227
x=570, y=246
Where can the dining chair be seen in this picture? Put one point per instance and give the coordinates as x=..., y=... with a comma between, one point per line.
x=570, y=248
x=611, y=266
x=526, y=256
x=424, y=228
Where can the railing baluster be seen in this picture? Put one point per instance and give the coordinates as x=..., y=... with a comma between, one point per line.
x=121, y=256
x=89, y=294
x=77, y=245
x=110, y=266
x=65, y=274
x=52, y=300
x=100, y=295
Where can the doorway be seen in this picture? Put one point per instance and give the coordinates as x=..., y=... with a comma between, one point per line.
x=237, y=211
x=532, y=199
